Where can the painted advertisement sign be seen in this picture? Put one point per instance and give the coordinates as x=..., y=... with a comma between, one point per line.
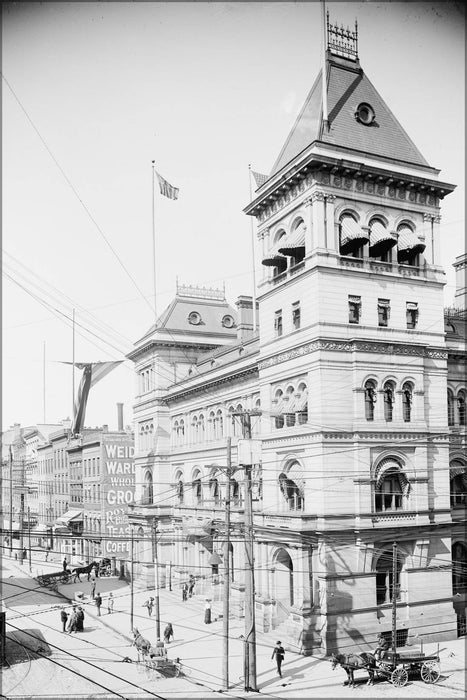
x=119, y=491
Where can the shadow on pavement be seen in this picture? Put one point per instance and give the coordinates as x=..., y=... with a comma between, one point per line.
x=25, y=645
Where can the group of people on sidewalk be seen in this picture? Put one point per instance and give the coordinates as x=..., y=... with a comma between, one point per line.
x=75, y=619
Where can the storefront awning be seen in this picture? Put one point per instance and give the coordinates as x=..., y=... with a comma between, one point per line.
x=380, y=239
x=352, y=235
x=71, y=516
x=409, y=243
x=293, y=243
x=273, y=258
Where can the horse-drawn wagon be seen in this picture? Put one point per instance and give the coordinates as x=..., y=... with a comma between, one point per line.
x=399, y=666
x=52, y=579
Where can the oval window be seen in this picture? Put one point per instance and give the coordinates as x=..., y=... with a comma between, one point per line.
x=227, y=321
x=194, y=318
x=365, y=113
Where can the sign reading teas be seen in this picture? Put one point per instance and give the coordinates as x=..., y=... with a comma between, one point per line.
x=119, y=491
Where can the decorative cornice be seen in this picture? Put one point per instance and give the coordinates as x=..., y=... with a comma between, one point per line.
x=207, y=385
x=354, y=346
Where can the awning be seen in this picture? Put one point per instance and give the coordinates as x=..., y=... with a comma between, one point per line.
x=409, y=243
x=196, y=528
x=295, y=474
x=390, y=465
x=74, y=516
x=278, y=406
x=273, y=258
x=352, y=235
x=293, y=243
x=380, y=239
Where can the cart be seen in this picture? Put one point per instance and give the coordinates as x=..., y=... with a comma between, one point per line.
x=51, y=580
x=398, y=666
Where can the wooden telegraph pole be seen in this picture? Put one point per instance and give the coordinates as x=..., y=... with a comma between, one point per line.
x=156, y=578
x=131, y=582
x=226, y=600
x=11, y=500
x=29, y=537
x=395, y=590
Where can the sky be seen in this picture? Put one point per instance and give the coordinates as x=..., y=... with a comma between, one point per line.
x=93, y=92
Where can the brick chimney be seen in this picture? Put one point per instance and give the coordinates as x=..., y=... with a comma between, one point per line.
x=244, y=305
x=120, y=417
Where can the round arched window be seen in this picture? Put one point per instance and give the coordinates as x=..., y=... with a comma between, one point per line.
x=227, y=321
x=365, y=114
x=194, y=318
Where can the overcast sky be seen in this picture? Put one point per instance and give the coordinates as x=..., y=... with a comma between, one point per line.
x=96, y=91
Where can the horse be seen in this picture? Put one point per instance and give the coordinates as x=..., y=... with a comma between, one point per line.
x=142, y=645
x=84, y=570
x=352, y=662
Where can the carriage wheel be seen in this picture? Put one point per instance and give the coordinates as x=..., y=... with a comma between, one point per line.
x=429, y=671
x=399, y=677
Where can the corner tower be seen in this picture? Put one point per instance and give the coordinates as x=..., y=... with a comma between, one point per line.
x=352, y=364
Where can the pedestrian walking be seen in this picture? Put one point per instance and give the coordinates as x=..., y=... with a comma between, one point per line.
x=65, y=564
x=47, y=551
x=63, y=618
x=110, y=603
x=207, y=612
x=72, y=621
x=149, y=604
x=168, y=632
x=191, y=585
x=184, y=591
x=80, y=619
x=93, y=590
x=98, y=601
x=160, y=649
x=279, y=653
x=25, y=554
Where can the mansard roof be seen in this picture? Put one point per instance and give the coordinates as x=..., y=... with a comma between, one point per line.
x=347, y=88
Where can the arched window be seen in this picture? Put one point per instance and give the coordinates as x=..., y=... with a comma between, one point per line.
x=459, y=568
x=386, y=587
x=283, y=577
x=451, y=418
x=370, y=399
x=391, y=486
x=197, y=489
x=148, y=494
x=351, y=236
x=458, y=484
x=256, y=420
x=301, y=404
x=289, y=408
x=194, y=428
x=291, y=485
x=219, y=425
x=202, y=428
x=278, y=408
x=179, y=488
x=407, y=397
x=461, y=406
x=234, y=488
x=175, y=433
x=388, y=391
x=212, y=426
x=214, y=491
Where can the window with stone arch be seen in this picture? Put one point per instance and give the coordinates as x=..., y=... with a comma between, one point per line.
x=179, y=487
x=256, y=419
x=181, y=431
x=175, y=433
x=292, y=486
x=195, y=428
x=407, y=399
x=234, y=492
x=458, y=484
x=389, y=390
x=391, y=487
x=386, y=587
x=289, y=400
x=451, y=411
x=219, y=431
x=148, y=490
x=201, y=428
x=461, y=407
x=197, y=488
x=459, y=568
x=214, y=490
x=381, y=240
x=370, y=399
x=352, y=237
x=211, y=426
x=278, y=408
x=301, y=403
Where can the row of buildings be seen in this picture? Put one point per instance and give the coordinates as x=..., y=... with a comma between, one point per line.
x=71, y=493
x=352, y=375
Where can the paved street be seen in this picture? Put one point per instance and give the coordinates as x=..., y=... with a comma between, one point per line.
x=98, y=653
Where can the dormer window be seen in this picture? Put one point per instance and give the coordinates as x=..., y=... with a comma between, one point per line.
x=194, y=318
x=227, y=321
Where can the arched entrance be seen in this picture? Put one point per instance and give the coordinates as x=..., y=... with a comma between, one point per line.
x=283, y=578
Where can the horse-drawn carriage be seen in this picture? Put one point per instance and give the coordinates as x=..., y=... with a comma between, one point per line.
x=395, y=667
x=52, y=579
x=155, y=657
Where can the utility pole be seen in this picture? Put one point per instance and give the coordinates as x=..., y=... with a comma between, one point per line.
x=29, y=537
x=395, y=590
x=226, y=591
x=11, y=500
x=156, y=577
x=131, y=582
x=250, y=627
x=21, y=523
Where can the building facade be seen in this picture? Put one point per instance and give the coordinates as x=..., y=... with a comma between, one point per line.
x=355, y=390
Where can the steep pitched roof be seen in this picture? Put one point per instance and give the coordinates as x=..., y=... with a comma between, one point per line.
x=348, y=86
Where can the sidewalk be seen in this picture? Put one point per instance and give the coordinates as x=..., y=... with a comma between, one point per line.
x=200, y=646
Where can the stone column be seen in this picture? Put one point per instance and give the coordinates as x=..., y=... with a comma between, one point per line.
x=332, y=228
x=319, y=230
x=309, y=237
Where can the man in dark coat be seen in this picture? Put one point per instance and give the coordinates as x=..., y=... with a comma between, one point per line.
x=63, y=618
x=65, y=564
x=98, y=600
x=80, y=619
x=279, y=653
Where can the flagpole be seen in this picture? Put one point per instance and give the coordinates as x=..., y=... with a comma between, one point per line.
x=324, y=81
x=73, y=371
x=253, y=257
x=154, y=245
x=43, y=381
